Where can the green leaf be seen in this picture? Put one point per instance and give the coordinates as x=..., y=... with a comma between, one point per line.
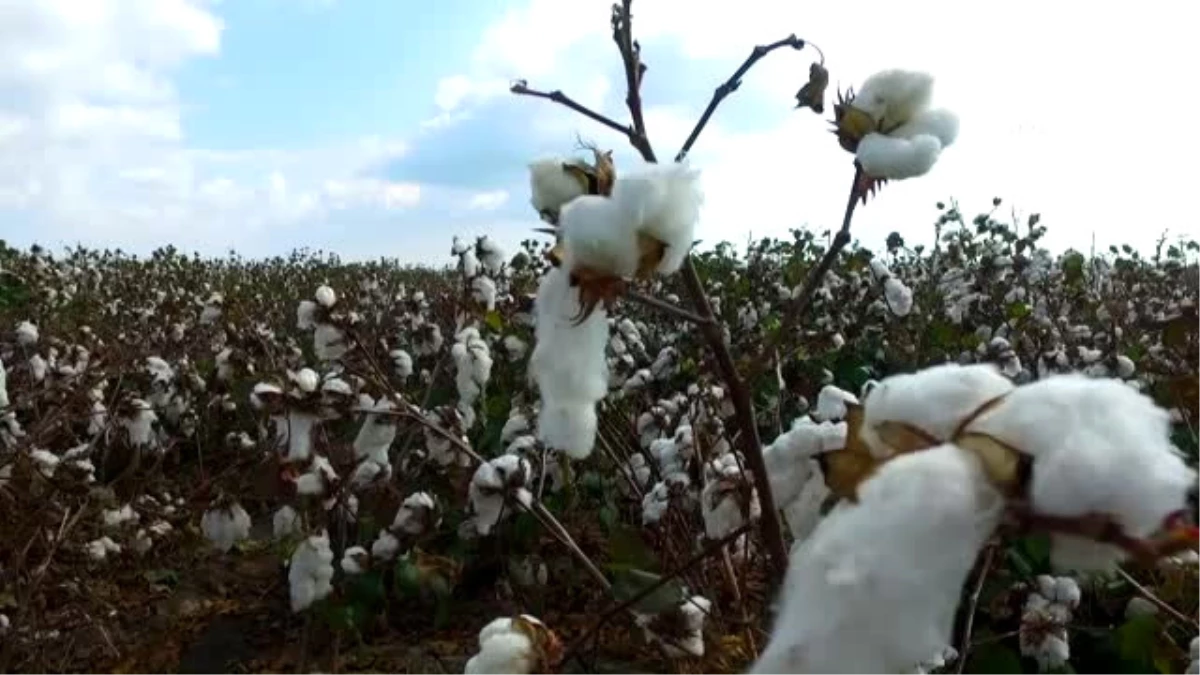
x=159, y=576
x=630, y=582
x=1072, y=265
x=1136, y=643
x=1035, y=549
x=608, y=517
x=1017, y=310
x=494, y=321
x=993, y=658
x=627, y=549
x=408, y=578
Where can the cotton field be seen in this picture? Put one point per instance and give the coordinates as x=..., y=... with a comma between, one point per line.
x=607, y=450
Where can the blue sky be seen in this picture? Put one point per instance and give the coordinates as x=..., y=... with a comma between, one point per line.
x=382, y=127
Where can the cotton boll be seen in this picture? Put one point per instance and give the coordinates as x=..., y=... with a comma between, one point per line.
x=285, y=522
x=804, y=512
x=483, y=289
x=402, y=362
x=508, y=646
x=689, y=640
x=386, y=546
x=664, y=200
x=226, y=526
x=329, y=343
x=310, y=572
x=893, y=97
x=935, y=400
x=306, y=315
x=899, y=297
x=599, y=234
x=27, y=334
x=491, y=486
x=306, y=380
x=831, y=403
x=569, y=365
x=551, y=187
x=789, y=456
x=376, y=434
x=1125, y=367
x=876, y=586
x=897, y=158
x=1097, y=446
x=355, y=560
x=326, y=297
x=417, y=515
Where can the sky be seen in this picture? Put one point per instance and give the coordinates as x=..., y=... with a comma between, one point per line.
x=375, y=128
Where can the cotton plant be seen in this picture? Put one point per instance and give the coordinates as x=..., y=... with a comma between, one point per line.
x=1044, y=620
x=473, y=368
x=520, y=644
x=310, y=572
x=225, y=526
x=964, y=427
x=890, y=127
x=497, y=487
x=678, y=631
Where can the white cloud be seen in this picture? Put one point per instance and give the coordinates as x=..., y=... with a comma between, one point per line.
x=1051, y=116
x=488, y=201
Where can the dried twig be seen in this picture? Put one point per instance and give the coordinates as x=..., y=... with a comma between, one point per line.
x=984, y=568
x=1155, y=600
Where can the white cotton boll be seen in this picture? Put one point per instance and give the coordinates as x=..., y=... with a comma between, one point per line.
x=329, y=343
x=1125, y=367
x=490, y=254
x=376, y=434
x=483, y=289
x=295, y=430
x=386, y=546
x=402, y=362
x=515, y=346
x=114, y=518
x=876, y=586
x=502, y=649
x=940, y=124
x=98, y=549
x=224, y=527
x=355, y=560
x=804, y=512
x=569, y=365
x=831, y=403
x=1097, y=446
x=27, y=334
x=897, y=158
x=38, y=367
x=468, y=264
x=691, y=640
x=899, y=297
x=317, y=479
x=721, y=506
x=515, y=424
x=307, y=380
x=935, y=400
x=1194, y=655
x=306, y=315
x=490, y=487
x=550, y=186
x=893, y=97
x=788, y=457
x=310, y=572
x=4, y=401
x=413, y=516
x=599, y=234
x=285, y=522
x=326, y=296
x=664, y=200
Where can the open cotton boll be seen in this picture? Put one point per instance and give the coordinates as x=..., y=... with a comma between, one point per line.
x=551, y=187
x=490, y=254
x=935, y=400
x=27, y=334
x=386, y=546
x=569, y=365
x=224, y=527
x=98, y=549
x=876, y=586
x=494, y=481
x=664, y=202
x=295, y=431
x=804, y=512
x=416, y=515
x=897, y=158
x=402, y=363
x=310, y=572
x=505, y=646
x=326, y=296
x=306, y=313
x=941, y=124
x=376, y=434
x=355, y=560
x=285, y=522
x=483, y=289
x=893, y=97
x=899, y=297
x=831, y=403
x=4, y=401
x=599, y=234
x=687, y=638
x=788, y=457
x=1097, y=446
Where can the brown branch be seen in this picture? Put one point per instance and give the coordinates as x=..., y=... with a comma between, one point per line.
x=731, y=85
x=521, y=88
x=984, y=569
x=795, y=312
x=666, y=307
x=1155, y=600
x=631, y=58
x=710, y=549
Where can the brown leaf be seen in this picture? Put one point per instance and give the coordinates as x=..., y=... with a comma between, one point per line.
x=812, y=94
x=1001, y=462
x=651, y=254
x=846, y=468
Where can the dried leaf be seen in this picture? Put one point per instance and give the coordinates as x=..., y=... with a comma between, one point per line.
x=812, y=94
x=846, y=468
x=850, y=123
x=1001, y=462
x=651, y=252
x=595, y=286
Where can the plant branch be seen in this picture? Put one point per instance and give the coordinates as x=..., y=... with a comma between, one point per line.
x=631, y=58
x=744, y=412
x=521, y=88
x=984, y=569
x=731, y=85
x=666, y=307
x=1155, y=600
x=712, y=548
x=795, y=312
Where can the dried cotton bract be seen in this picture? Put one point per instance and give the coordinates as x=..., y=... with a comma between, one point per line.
x=874, y=590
